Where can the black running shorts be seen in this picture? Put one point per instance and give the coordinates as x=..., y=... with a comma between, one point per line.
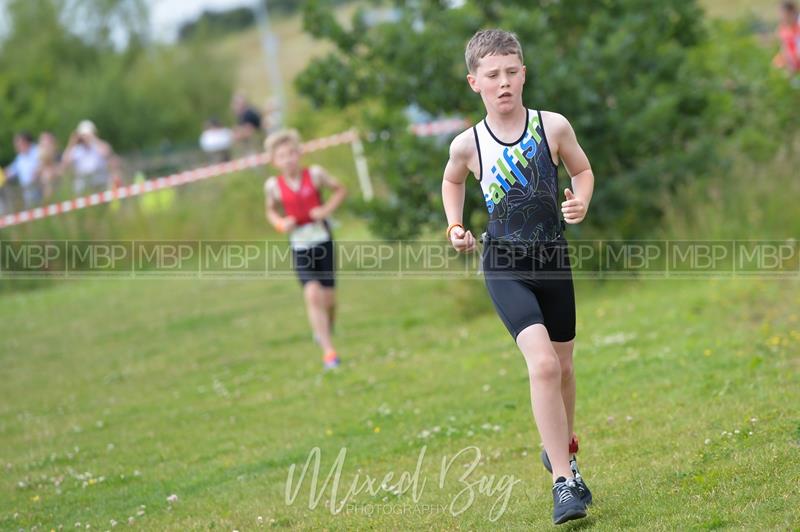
x=531, y=285
x=315, y=264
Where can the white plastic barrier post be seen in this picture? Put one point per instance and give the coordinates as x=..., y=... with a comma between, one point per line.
x=362, y=170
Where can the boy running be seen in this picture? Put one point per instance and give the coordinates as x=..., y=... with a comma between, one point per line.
x=514, y=154
x=304, y=218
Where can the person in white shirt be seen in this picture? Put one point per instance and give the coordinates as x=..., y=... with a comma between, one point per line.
x=217, y=140
x=90, y=158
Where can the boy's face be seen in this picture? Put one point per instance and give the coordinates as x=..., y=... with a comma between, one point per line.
x=499, y=80
x=286, y=158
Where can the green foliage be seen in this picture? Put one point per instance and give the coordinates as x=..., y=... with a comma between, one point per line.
x=744, y=199
x=408, y=184
x=652, y=93
x=749, y=103
x=100, y=22
x=139, y=97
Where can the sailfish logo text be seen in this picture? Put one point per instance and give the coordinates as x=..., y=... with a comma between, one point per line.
x=507, y=172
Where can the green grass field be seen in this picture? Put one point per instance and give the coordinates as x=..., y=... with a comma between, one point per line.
x=118, y=394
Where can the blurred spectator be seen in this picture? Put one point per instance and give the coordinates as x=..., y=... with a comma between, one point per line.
x=49, y=162
x=25, y=167
x=216, y=140
x=92, y=159
x=789, y=34
x=248, y=122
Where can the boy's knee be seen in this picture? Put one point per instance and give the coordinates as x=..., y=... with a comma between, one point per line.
x=546, y=367
x=567, y=368
x=329, y=294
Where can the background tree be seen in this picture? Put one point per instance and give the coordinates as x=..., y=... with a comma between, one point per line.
x=59, y=64
x=642, y=85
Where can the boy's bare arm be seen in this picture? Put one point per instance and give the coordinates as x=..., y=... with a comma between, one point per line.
x=336, y=199
x=453, y=190
x=282, y=224
x=103, y=147
x=567, y=149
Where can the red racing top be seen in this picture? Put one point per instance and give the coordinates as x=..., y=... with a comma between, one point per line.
x=298, y=204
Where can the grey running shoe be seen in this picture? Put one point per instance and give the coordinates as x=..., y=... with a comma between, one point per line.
x=567, y=504
x=583, y=489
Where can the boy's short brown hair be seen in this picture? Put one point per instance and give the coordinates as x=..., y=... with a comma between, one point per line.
x=491, y=42
x=279, y=138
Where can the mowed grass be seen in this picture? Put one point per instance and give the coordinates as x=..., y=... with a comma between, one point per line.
x=118, y=394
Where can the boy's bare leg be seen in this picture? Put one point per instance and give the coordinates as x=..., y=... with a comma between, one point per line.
x=564, y=351
x=329, y=296
x=317, y=310
x=544, y=370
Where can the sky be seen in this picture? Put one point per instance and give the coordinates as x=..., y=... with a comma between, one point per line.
x=166, y=16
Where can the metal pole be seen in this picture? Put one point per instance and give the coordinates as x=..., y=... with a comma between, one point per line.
x=269, y=44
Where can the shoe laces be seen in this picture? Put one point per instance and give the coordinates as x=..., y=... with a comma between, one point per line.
x=564, y=490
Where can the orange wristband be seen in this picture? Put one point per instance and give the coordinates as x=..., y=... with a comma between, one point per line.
x=451, y=227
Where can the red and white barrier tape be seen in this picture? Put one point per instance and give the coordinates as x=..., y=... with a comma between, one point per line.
x=170, y=181
x=440, y=127
x=199, y=174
